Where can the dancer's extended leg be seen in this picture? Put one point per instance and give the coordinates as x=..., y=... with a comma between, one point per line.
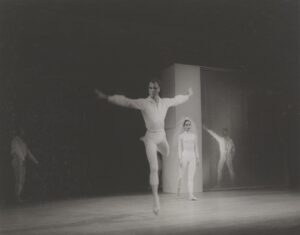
x=230, y=168
x=151, y=151
x=181, y=171
x=163, y=148
x=19, y=172
x=220, y=169
x=191, y=173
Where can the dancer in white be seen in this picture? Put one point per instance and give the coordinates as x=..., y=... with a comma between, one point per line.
x=227, y=152
x=188, y=155
x=20, y=152
x=154, y=110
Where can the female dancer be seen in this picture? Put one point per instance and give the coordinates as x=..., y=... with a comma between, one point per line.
x=188, y=155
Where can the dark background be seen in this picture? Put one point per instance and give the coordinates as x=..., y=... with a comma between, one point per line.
x=260, y=124
x=54, y=53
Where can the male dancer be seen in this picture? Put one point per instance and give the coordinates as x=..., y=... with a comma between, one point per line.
x=154, y=110
x=20, y=152
x=227, y=151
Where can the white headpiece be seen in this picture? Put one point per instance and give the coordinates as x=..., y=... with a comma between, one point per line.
x=180, y=128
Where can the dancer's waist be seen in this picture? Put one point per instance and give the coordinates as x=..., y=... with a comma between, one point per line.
x=155, y=130
x=16, y=157
x=189, y=150
x=15, y=153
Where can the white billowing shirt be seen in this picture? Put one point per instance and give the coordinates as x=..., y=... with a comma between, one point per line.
x=226, y=145
x=154, y=113
x=18, y=148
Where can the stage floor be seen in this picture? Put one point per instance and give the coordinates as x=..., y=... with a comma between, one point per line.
x=222, y=212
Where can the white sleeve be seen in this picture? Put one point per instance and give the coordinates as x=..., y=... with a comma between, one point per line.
x=178, y=99
x=215, y=135
x=123, y=101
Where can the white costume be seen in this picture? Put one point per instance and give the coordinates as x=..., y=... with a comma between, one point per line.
x=188, y=153
x=227, y=150
x=154, y=114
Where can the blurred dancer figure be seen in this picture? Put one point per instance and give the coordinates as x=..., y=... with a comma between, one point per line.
x=227, y=151
x=20, y=152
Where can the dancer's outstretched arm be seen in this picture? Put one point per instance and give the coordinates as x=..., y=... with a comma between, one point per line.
x=179, y=99
x=121, y=100
x=101, y=95
x=32, y=158
x=213, y=134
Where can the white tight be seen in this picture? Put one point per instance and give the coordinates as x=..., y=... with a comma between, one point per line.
x=228, y=160
x=155, y=142
x=189, y=163
x=19, y=172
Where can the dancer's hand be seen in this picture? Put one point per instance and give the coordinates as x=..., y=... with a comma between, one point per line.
x=190, y=91
x=100, y=94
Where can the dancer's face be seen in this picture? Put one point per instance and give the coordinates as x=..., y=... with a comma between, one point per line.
x=187, y=125
x=154, y=89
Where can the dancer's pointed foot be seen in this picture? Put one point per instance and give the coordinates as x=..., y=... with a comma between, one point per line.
x=156, y=210
x=156, y=206
x=193, y=198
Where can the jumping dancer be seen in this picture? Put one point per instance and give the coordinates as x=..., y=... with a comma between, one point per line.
x=154, y=110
